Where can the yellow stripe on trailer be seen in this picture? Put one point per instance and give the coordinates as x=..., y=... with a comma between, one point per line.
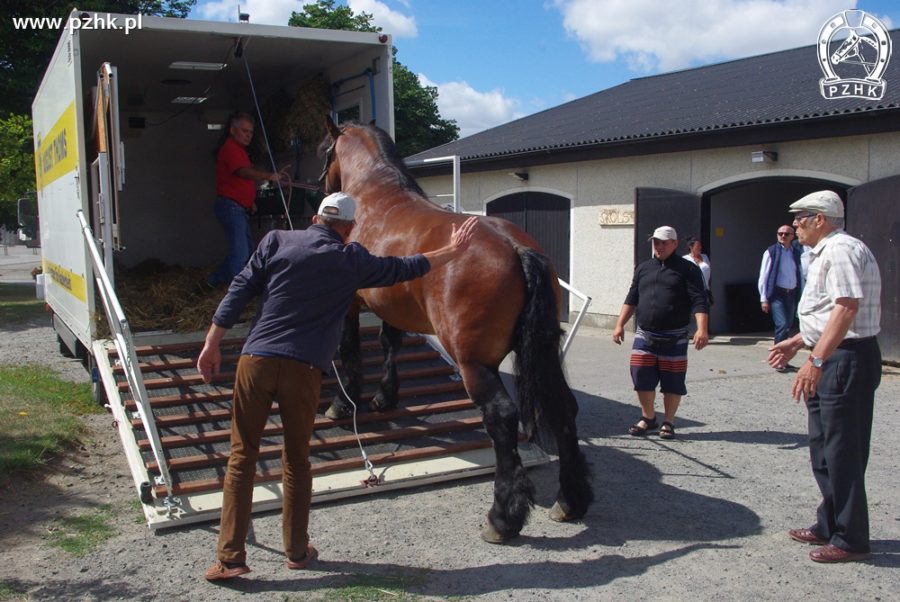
x=69, y=281
x=57, y=152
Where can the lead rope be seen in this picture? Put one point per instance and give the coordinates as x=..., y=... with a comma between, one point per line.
x=373, y=480
x=262, y=126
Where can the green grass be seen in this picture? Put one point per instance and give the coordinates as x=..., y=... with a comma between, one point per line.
x=9, y=591
x=19, y=305
x=80, y=534
x=40, y=416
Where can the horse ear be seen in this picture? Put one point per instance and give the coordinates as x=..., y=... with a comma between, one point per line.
x=334, y=130
x=372, y=123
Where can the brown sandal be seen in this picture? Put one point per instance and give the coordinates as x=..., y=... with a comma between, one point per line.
x=636, y=430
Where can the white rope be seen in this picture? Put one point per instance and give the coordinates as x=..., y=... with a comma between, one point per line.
x=373, y=478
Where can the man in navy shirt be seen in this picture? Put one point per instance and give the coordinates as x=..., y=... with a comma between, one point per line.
x=307, y=281
x=664, y=292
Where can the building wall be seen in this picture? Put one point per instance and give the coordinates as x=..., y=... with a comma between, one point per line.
x=602, y=255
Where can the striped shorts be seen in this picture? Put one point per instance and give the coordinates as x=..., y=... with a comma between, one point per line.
x=664, y=365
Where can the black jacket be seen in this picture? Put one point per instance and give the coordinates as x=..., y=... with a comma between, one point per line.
x=666, y=293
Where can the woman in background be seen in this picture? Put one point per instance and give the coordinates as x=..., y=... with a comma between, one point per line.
x=696, y=255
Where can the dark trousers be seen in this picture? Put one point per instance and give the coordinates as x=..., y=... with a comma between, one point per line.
x=840, y=429
x=296, y=386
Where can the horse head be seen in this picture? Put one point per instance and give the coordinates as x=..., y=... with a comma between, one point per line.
x=369, y=154
x=331, y=173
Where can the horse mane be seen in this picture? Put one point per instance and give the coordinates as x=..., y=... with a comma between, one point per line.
x=387, y=151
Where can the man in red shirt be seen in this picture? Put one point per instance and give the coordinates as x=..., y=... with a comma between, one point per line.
x=236, y=196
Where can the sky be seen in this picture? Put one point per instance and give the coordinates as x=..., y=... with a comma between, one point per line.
x=494, y=61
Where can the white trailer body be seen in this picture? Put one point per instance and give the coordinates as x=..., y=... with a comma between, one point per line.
x=166, y=98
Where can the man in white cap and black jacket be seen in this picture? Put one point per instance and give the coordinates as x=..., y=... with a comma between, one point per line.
x=840, y=316
x=307, y=280
x=665, y=291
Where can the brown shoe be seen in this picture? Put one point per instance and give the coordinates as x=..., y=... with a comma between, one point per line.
x=225, y=570
x=806, y=536
x=831, y=553
x=311, y=554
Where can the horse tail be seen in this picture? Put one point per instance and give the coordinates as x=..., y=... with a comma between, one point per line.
x=547, y=406
x=539, y=373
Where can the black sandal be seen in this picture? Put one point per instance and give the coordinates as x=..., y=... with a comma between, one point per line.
x=667, y=431
x=636, y=430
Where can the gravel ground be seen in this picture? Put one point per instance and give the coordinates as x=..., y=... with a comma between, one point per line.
x=703, y=517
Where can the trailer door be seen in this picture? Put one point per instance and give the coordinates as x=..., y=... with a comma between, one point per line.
x=60, y=176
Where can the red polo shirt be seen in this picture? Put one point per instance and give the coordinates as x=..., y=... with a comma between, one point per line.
x=232, y=156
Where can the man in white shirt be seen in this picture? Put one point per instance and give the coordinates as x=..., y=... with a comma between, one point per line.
x=840, y=316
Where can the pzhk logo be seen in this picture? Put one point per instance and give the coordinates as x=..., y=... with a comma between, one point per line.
x=854, y=50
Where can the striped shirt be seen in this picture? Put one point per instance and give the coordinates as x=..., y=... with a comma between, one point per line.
x=840, y=266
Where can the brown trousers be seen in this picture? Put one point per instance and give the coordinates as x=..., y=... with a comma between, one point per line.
x=296, y=386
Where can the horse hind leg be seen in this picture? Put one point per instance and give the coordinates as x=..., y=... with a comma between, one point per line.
x=575, y=491
x=386, y=397
x=513, y=490
x=350, y=374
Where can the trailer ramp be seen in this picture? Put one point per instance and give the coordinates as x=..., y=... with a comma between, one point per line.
x=435, y=434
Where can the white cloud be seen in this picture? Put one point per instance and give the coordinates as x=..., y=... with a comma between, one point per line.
x=651, y=35
x=266, y=12
x=473, y=111
x=390, y=21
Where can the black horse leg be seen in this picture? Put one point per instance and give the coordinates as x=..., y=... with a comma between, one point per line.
x=513, y=490
x=575, y=492
x=391, y=340
x=350, y=371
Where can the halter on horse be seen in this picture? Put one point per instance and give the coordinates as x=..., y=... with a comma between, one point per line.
x=503, y=296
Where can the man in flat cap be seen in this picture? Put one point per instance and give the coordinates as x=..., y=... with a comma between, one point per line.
x=840, y=315
x=665, y=291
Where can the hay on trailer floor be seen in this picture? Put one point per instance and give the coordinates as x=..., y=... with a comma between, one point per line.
x=156, y=296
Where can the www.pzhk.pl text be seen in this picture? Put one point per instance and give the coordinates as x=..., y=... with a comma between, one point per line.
x=85, y=21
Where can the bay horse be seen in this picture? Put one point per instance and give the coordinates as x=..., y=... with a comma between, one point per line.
x=501, y=296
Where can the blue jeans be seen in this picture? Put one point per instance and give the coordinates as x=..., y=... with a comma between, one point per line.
x=783, y=307
x=236, y=222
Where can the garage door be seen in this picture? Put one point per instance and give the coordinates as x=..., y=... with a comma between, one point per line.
x=546, y=218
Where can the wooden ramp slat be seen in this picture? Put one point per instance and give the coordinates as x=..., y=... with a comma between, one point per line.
x=335, y=466
x=217, y=436
x=228, y=377
x=328, y=443
x=189, y=362
x=195, y=417
x=196, y=346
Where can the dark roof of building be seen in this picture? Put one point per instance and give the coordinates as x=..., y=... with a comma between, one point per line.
x=775, y=88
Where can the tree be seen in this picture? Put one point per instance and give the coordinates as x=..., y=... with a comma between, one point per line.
x=26, y=52
x=16, y=166
x=417, y=122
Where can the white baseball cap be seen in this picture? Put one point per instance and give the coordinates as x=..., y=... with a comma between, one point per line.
x=339, y=206
x=826, y=202
x=664, y=233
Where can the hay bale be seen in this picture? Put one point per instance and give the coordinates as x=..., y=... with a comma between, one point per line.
x=306, y=117
x=157, y=296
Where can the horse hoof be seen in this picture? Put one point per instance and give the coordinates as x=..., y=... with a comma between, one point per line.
x=491, y=535
x=380, y=403
x=338, y=411
x=558, y=514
